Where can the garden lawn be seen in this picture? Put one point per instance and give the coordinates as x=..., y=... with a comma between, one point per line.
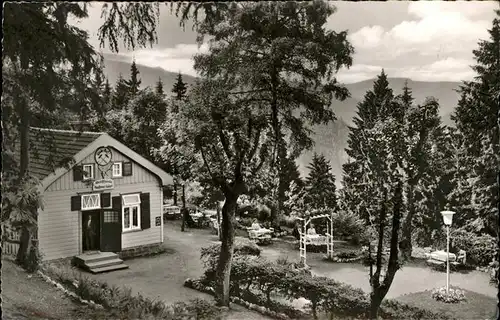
x=476, y=305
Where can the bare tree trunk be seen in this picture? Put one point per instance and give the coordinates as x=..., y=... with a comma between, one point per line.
x=175, y=194
x=219, y=233
x=183, y=225
x=379, y=290
x=375, y=302
x=406, y=241
x=24, y=128
x=223, y=272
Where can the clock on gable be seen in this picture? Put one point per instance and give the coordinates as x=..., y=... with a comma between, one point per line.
x=103, y=156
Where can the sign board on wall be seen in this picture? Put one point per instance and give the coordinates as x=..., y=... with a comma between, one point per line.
x=157, y=221
x=103, y=184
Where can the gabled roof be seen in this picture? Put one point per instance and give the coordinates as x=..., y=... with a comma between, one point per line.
x=54, y=152
x=51, y=149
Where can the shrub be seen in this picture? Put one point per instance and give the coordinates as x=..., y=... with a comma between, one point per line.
x=287, y=221
x=481, y=250
x=454, y=295
x=349, y=254
x=348, y=224
x=123, y=305
x=33, y=259
x=258, y=281
x=245, y=222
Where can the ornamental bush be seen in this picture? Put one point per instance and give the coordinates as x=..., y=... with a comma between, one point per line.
x=259, y=281
x=481, y=250
x=454, y=295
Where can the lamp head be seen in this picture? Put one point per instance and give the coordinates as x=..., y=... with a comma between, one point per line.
x=447, y=217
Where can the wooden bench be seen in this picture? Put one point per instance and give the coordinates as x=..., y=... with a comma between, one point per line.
x=260, y=237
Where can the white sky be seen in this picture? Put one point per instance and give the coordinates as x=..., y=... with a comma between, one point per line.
x=424, y=41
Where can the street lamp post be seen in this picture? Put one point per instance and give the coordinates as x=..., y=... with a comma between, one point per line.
x=447, y=219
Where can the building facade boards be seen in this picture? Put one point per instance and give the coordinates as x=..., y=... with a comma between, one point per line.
x=108, y=198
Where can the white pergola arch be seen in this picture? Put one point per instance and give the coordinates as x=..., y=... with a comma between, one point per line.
x=303, y=241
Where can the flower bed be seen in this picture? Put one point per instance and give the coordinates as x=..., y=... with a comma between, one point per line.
x=454, y=296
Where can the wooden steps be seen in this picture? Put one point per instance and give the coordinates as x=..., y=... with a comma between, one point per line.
x=98, y=262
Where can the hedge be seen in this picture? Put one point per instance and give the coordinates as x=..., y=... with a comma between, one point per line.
x=257, y=280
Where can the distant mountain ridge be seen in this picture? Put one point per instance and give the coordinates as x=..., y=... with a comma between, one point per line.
x=331, y=139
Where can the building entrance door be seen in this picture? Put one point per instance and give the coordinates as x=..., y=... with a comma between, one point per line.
x=111, y=236
x=91, y=230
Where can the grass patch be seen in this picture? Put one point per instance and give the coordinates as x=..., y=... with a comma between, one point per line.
x=476, y=305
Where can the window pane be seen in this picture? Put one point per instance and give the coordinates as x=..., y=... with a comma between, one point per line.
x=135, y=218
x=126, y=218
x=131, y=199
x=87, y=171
x=117, y=169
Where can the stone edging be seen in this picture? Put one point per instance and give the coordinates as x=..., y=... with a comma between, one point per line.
x=68, y=292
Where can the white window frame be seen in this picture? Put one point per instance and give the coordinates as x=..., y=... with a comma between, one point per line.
x=85, y=177
x=131, y=201
x=119, y=164
x=92, y=198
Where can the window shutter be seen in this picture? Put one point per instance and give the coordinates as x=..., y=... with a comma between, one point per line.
x=168, y=192
x=77, y=173
x=117, y=204
x=145, y=211
x=105, y=200
x=76, y=203
x=127, y=169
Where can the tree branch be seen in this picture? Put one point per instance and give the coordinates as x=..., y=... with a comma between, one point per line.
x=224, y=141
x=255, y=146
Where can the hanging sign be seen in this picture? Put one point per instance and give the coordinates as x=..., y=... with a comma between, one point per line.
x=103, y=184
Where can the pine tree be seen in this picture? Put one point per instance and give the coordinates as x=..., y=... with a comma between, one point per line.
x=180, y=88
x=159, y=88
x=321, y=191
x=107, y=93
x=135, y=82
x=476, y=120
x=367, y=152
x=121, y=94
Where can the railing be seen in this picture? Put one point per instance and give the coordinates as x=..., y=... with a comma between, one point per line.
x=11, y=240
